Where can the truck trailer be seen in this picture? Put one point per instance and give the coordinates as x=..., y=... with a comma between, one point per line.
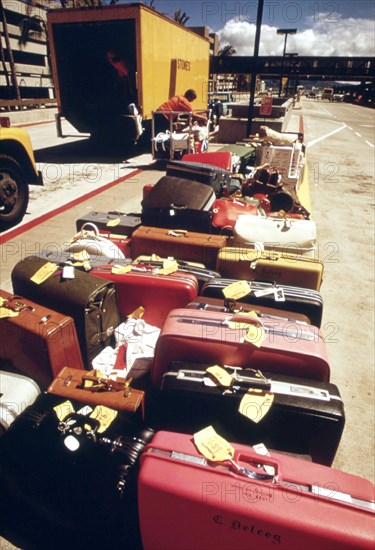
x=163, y=58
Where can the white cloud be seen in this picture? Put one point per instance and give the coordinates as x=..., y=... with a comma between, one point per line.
x=343, y=37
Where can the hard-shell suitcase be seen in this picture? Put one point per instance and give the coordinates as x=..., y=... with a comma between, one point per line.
x=37, y=341
x=215, y=337
x=217, y=178
x=157, y=294
x=116, y=222
x=16, y=393
x=178, y=193
x=305, y=417
x=255, y=501
x=202, y=274
x=243, y=156
x=182, y=245
x=286, y=269
x=221, y=159
x=228, y=305
x=91, y=301
x=286, y=298
x=75, y=483
x=178, y=203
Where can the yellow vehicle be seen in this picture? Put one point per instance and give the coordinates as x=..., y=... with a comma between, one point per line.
x=163, y=58
x=17, y=172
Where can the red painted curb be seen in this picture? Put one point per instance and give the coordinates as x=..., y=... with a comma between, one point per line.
x=33, y=223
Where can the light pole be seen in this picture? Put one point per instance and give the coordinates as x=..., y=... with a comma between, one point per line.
x=285, y=32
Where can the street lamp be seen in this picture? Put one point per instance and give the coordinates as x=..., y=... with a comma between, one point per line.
x=285, y=32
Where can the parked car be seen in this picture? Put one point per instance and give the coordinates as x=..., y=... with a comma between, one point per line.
x=17, y=171
x=338, y=97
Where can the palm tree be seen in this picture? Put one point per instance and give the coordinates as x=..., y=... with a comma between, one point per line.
x=10, y=52
x=227, y=50
x=180, y=17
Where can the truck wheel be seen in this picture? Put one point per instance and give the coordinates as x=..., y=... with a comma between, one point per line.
x=14, y=192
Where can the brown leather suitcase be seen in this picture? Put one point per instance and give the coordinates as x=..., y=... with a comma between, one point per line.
x=38, y=341
x=182, y=245
x=90, y=301
x=87, y=387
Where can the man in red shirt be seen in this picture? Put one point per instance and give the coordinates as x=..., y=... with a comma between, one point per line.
x=180, y=103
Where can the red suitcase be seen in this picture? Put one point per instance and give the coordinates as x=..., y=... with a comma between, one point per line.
x=158, y=294
x=287, y=348
x=38, y=342
x=182, y=245
x=187, y=502
x=221, y=159
x=233, y=306
x=226, y=212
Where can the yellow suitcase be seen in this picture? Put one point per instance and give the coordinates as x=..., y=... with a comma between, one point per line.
x=271, y=266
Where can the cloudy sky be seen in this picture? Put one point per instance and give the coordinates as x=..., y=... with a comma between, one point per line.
x=342, y=27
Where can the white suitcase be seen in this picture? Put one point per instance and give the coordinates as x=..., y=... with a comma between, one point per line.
x=16, y=393
x=279, y=232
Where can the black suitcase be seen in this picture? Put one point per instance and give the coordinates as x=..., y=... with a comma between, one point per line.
x=178, y=203
x=67, y=480
x=218, y=178
x=116, y=222
x=306, y=417
x=91, y=301
x=289, y=298
x=244, y=156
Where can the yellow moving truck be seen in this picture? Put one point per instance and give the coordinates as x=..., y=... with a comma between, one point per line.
x=164, y=58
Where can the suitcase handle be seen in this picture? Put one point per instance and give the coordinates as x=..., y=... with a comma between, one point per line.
x=243, y=318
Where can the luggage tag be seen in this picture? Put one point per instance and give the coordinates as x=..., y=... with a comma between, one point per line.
x=68, y=272
x=113, y=222
x=216, y=449
x=237, y=290
x=256, y=333
x=6, y=311
x=169, y=266
x=220, y=376
x=255, y=404
x=44, y=273
x=121, y=269
x=105, y=417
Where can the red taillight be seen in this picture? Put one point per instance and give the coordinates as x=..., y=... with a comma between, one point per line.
x=4, y=121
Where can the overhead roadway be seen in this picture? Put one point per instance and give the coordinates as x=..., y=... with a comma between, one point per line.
x=301, y=67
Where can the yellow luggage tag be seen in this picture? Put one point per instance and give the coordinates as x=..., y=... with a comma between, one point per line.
x=212, y=446
x=44, y=273
x=237, y=290
x=105, y=416
x=121, y=269
x=255, y=404
x=113, y=222
x=169, y=267
x=137, y=313
x=220, y=376
x=63, y=410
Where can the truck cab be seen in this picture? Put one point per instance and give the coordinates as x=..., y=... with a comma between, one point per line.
x=327, y=93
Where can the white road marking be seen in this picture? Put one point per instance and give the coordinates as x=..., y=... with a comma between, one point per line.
x=370, y=144
x=357, y=134
x=321, y=138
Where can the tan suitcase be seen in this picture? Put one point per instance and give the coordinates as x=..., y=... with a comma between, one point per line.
x=287, y=269
x=181, y=244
